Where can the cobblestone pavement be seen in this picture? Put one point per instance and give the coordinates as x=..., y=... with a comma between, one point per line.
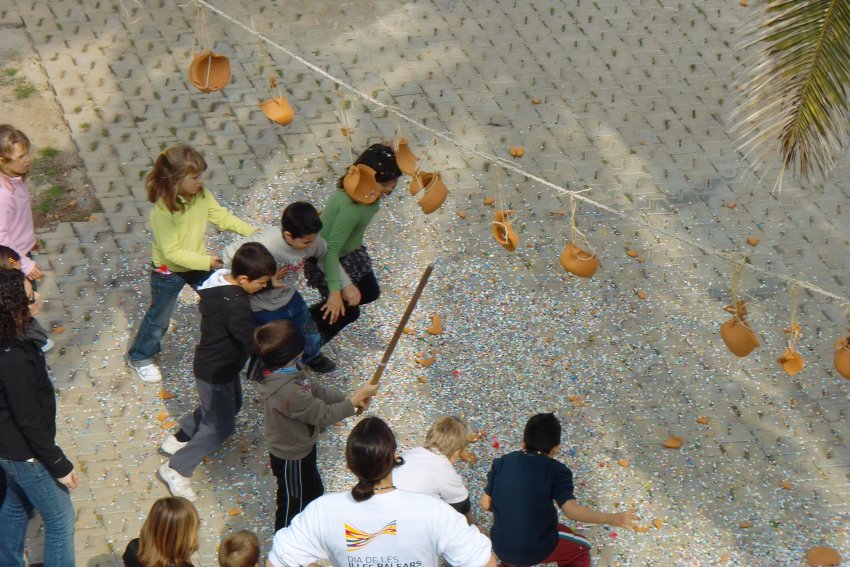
x=634, y=103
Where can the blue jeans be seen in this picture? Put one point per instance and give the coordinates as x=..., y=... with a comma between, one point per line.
x=297, y=312
x=165, y=289
x=29, y=486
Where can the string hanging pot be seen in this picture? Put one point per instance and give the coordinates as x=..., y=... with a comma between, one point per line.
x=574, y=258
x=277, y=109
x=791, y=361
x=435, y=191
x=736, y=333
x=842, y=357
x=503, y=232
x=360, y=184
x=208, y=71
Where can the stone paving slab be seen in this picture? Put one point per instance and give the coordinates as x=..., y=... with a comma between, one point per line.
x=635, y=103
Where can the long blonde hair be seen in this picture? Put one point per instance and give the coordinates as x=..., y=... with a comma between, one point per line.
x=169, y=535
x=9, y=138
x=171, y=167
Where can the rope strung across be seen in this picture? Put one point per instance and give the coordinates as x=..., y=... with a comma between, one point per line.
x=508, y=165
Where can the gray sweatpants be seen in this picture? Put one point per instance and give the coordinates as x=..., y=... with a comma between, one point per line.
x=209, y=426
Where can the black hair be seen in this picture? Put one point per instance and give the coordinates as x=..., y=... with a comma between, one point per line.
x=7, y=254
x=300, y=219
x=381, y=158
x=542, y=433
x=370, y=455
x=254, y=261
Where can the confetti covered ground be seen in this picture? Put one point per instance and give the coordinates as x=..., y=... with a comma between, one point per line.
x=634, y=99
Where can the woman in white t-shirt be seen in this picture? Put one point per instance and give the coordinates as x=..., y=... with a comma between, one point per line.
x=430, y=469
x=375, y=524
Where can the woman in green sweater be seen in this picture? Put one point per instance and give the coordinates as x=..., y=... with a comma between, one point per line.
x=344, y=221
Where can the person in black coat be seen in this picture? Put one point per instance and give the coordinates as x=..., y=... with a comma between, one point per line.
x=38, y=474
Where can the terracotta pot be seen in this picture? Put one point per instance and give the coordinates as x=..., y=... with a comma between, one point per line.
x=404, y=158
x=503, y=232
x=209, y=71
x=278, y=110
x=578, y=261
x=822, y=556
x=791, y=361
x=842, y=357
x=360, y=184
x=739, y=337
x=435, y=191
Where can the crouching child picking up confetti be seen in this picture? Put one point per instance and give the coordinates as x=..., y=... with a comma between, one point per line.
x=295, y=412
x=227, y=331
x=520, y=489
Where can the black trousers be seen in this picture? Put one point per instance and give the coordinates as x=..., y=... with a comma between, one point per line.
x=369, y=292
x=298, y=484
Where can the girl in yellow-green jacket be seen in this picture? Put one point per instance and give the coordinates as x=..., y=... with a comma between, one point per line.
x=182, y=207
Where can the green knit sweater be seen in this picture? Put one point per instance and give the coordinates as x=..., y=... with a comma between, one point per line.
x=343, y=225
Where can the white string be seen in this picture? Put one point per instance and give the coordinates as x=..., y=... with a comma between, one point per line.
x=508, y=165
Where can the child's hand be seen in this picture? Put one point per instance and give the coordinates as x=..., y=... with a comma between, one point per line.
x=627, y=519
x=216, y=263
x=35, y=273
x=351, y=295
x=334, y=307
x=362, y=397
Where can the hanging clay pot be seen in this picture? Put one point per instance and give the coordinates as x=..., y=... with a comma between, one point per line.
x=404, y=158
x=435, y=191
x=503, y=232
x=209, y=71
x=842, y=357
x=791, y=361
x=360, y=184
x=579, y=261
x=278, y=110
x=822, y=557
x=736, y=333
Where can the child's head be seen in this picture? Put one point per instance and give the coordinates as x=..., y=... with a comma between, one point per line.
x=370, y=455
x=448, y=436
x=169, y=535
x=381, y=158
x=15, y=312
x=239, y=549
x=542, y=434
x=9, y=259
x=253, y=266
x=177, y=172
x=278, y=343
x=300, y=225
x=14, y=151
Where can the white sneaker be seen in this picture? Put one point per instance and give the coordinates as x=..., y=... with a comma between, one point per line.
x=171, y=445
x=148, y=373
x=48, y=346
x=178, y=484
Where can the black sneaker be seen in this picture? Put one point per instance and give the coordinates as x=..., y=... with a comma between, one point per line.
x=321, y=364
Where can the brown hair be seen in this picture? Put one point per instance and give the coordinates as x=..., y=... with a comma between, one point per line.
x=381, y=158
x=171, y=167
x=447, y=435
x=9, y=138
x=278, y=343
x=14, y=305
x=240, y=549
x=370, y=455
x=169, y=535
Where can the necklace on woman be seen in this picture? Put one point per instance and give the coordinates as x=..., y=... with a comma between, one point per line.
x=376, y=489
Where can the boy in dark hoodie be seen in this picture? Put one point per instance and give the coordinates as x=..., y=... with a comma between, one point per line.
x=227, y=330
x=296, y=411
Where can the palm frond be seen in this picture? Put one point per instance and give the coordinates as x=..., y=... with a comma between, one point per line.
x=796, y=92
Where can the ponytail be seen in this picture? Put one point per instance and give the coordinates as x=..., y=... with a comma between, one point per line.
x=370, y=455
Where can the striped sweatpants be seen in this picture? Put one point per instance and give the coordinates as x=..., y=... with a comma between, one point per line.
x=298, y=484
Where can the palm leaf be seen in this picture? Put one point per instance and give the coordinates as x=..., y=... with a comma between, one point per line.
x=796, y=93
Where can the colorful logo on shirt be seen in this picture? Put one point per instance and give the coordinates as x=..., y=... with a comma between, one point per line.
x=355, y=539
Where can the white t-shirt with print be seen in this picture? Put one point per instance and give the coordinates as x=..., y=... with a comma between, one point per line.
x=429, y=472
x=395, y=529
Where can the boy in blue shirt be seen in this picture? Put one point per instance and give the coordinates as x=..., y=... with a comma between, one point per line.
x=520, y=489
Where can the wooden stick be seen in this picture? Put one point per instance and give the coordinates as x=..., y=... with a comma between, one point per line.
x=411, y=305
